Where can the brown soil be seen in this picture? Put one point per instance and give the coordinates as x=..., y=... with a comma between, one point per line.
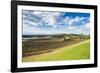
x=31, y=47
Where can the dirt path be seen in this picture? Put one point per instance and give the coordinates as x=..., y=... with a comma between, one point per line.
x=36, y=48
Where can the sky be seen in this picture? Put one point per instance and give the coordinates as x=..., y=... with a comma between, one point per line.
x=50, y=22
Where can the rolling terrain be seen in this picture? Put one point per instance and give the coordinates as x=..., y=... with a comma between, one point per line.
x=76, y=51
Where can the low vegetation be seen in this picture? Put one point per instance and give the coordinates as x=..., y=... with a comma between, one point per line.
x=46, y=44
x=74, y=52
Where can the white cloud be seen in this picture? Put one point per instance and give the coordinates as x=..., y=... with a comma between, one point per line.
x=71, y=21
x=31, y=30
x=84, y=29
x=54, y=19
x=71, y=27
x=49, y=18
x=37, y=12
x=76, y=19
x=88, y=25
x=29, y=23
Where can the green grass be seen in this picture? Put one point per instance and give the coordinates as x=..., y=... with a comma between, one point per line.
x=74, y=52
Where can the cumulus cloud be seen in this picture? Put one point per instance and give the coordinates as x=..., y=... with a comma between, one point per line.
x=43, y=17
x=46, y=21
x=88, y=25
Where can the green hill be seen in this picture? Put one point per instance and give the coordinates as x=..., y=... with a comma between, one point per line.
x=74, y=52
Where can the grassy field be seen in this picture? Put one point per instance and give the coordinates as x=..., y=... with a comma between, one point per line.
x=74, y=52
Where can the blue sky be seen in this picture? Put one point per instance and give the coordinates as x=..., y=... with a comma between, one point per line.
x=50, y=22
